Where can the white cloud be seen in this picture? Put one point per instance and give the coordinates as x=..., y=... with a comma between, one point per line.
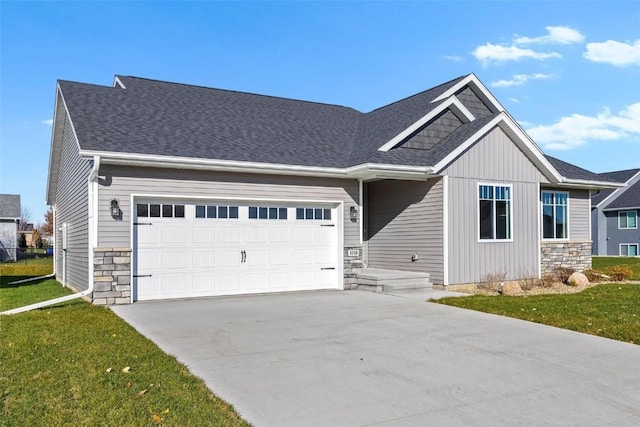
x=515, y=101
x=496, y=53
x=520, y=79
x=47, y=122
x=614, y=53
x=577, y=129
x=454, y=58
x=555, y=35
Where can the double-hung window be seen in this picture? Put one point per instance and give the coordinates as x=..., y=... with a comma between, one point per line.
x=495, y=212
x=555, y=215
x=628, y=220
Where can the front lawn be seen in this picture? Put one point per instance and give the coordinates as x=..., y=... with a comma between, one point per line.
x=79, y=364
x=605, y=263
x=608, y=310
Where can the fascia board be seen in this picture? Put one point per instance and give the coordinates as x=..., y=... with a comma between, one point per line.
x=367, y=170
x=587, y=184
x=615, y=194
x=54, y=149
x=452, y=102
x=621, y=209
x=505, y=120
x=475, y=81
x=118, y=83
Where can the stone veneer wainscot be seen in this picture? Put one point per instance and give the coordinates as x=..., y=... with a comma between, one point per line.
x=112, y=276
x=576, y=255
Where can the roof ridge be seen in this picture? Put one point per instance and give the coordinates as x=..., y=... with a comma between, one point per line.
x=241, y=92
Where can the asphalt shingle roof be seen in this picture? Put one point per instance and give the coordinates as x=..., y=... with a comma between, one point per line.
x=172, y=119
x=630, y=198
x=10, y=206
x=617, y=176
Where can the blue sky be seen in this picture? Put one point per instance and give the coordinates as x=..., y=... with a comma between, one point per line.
x=569, y=72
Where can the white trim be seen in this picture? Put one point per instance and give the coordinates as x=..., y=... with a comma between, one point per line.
x=511, y=204
x=477, y=84
x=445, y=229
x=539, y=234
x=362, y=171
x=556, y=239
x=506, y=120
x=589, y=208
x=361, y=207
x=452, y=103
x=627, y=208
x=628, y=244
x=118, y=83
x=586, y=184
x=627, y=212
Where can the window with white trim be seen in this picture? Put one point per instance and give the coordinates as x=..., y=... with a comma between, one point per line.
x=629, y=249
x=495, y=212
x=555, y=214
x=627, y=220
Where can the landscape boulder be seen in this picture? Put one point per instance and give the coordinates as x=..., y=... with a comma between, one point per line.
x=511, y=288
x=577, y=279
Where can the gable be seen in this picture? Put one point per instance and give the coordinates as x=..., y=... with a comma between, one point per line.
x=432, y=133
x=495, y=157
x=473, y=103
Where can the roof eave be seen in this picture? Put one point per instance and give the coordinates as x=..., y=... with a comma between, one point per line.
x=588, y=184
x=363, y=171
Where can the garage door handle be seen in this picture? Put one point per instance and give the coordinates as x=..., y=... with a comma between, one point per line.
x=141, y=223
x=141, y=275
x=327, y=225
x=243, y=256
x=327, y=268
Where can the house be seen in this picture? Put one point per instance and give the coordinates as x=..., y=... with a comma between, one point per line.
x=614, y=215
x=167, y=190
x=9, y=220
x=29, y=231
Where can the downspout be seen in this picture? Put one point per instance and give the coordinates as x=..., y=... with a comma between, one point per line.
x=93, y=175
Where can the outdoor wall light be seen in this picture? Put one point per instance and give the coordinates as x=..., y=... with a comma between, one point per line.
x=353, y=214
x=115, y=209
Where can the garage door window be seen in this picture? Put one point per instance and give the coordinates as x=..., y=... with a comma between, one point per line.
x=216, y=211
x=313, y=213
x=263, y=212
x=155, y=210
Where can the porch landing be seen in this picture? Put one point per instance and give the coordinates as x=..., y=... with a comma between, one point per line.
x=379, y=280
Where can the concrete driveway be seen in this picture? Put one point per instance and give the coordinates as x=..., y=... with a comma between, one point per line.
x=355, y=358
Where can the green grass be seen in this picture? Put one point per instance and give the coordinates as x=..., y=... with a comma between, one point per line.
x=608, y=310
x=63, y=366
x=604, y=264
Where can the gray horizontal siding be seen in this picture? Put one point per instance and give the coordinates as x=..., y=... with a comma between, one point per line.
x=617, y=236
x=72, y=207
x=405, y=218
x=494, y=159
x=120, y=182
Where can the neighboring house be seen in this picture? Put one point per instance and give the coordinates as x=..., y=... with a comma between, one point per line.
x=9, y=220
x=614, y=215
x=166, y=190
x=29, y=231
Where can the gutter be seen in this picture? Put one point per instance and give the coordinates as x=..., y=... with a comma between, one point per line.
x=93, y=175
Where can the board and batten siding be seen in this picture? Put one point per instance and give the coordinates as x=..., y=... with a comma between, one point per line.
x=495, y=159
x=72, y=208
x=120, y=182
x=406, y=218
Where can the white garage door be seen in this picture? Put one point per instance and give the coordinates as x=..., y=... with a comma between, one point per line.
x=221, y=248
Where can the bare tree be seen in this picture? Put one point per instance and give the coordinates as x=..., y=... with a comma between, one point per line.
x=47, y=227
x=25, y=217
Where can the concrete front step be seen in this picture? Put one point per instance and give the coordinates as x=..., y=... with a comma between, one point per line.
x=379, y=280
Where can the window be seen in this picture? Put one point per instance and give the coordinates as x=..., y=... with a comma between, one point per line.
x=555, y=218
x=214, y=211
x=494, y=207
x=313, y=213
x=145, y=210
x=260, y=212
x=627, y=220
x=629, y=249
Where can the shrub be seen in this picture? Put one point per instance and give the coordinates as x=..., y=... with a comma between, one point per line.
x=529, y=283
x=594, y=276
x=563, y=273
x=548, y=280
x=492, y=281
x=620, y=273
